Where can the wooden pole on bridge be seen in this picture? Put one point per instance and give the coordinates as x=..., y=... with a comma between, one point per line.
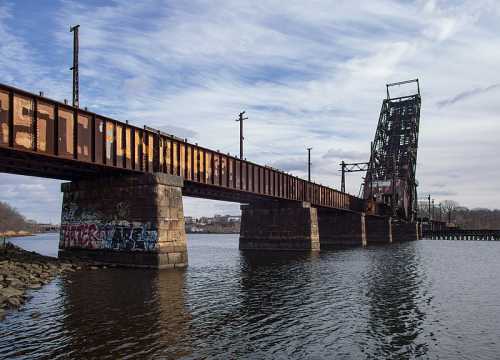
x=342, y=182
x=74, y=68
x=240, y=120
x=309, y=164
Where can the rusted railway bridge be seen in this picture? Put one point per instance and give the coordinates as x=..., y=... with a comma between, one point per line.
x=124, y=201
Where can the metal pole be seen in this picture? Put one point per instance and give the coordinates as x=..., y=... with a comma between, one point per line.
x=429, y=198
x=433, y=209
x=416, y=209
x=342, y=184
x=241, y=136
x=371, y=185
x=309, y=164
x=394, y=203
x=240, y=119
x=76, y=90
x=370, y=170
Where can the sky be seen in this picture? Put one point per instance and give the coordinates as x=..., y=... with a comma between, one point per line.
x=308, y=74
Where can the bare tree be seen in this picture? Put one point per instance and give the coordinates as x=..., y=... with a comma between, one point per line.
x=10, y=219
x=423, y=209
x=449, y=206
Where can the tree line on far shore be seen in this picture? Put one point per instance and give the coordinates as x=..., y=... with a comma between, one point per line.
x=12, y=220
x=447, y=211
x=451, y=212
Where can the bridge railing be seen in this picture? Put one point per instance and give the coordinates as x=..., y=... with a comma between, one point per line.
x=35, y=124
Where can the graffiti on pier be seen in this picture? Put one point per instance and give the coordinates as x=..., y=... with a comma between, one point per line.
x=97, y=228
x=72, y=213
x=111, y=236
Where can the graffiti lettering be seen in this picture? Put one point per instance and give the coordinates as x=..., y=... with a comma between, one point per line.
x=112, y=236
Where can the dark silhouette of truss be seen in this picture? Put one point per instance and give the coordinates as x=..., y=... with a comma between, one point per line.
x=390, y=178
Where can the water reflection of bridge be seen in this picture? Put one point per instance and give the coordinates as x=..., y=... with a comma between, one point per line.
x=118, y=312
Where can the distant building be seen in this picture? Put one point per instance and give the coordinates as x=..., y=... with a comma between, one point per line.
x=218, y=224
x=44, y=228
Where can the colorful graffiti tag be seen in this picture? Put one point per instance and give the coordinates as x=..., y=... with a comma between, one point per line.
x=112, y=236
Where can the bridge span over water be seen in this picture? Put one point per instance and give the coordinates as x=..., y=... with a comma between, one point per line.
x=124, y=201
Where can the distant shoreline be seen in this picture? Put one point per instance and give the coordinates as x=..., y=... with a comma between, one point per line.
x=12, y=234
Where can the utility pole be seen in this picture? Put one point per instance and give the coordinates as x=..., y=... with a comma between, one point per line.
x=369, y=169
x=76, y=90
x=240, y=119
x=433, y=209
x=393, y=197
x=309, y=164
x=429, y=199
x=342, y=184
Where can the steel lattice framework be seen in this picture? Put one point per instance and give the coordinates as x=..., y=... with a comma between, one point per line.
x=390, y=178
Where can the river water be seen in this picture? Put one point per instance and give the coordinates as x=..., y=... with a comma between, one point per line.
x=422, y=299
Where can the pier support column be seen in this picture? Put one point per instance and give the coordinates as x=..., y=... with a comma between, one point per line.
x=404, y=231
x=339, y=228
x=133, y=220
x=279, y=226
x=378, y=229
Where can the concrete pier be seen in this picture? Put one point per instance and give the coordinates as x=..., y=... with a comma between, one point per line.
x=134, y=220
x=339, y=228
x=279, y=226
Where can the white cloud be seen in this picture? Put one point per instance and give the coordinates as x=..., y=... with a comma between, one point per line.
x=310, y=75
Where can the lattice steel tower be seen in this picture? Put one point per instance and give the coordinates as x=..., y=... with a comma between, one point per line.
x=390, y=179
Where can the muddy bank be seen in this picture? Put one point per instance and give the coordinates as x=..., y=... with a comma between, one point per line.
x=22, y=270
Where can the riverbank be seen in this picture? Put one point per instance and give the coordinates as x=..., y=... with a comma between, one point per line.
x=11, y=234
x=22, y=271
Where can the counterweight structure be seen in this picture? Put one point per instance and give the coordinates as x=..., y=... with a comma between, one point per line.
x=390, y=181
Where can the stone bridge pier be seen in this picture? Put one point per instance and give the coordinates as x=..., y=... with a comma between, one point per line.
x=279, y=225
x=340, y=228
x=378, y=229
x=403, y=231
x=299, y=226
x=134, y=220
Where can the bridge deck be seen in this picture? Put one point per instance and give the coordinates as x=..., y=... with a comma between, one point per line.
x=45, y=138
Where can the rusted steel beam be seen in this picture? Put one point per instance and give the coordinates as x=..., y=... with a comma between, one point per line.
x=35, y=124
x=100, y=141
x=11, y=118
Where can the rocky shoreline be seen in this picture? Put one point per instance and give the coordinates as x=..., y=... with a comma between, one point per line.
x=22, y=270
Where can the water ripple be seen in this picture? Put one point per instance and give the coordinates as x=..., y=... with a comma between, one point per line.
x=425, y=299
